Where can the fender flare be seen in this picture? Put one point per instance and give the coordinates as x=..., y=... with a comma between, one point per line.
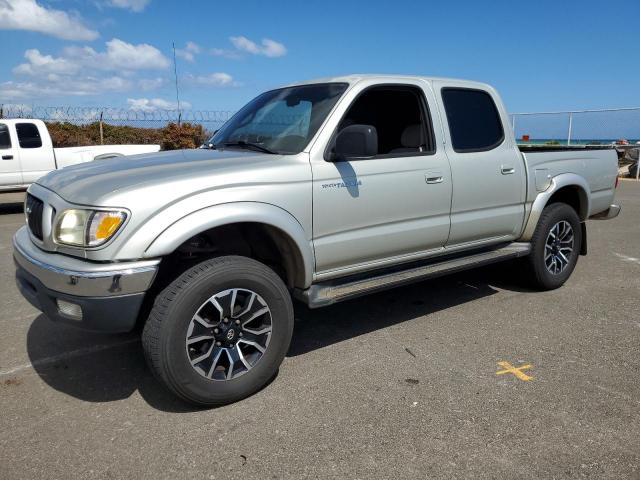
x=556, y=183
x=238, y=212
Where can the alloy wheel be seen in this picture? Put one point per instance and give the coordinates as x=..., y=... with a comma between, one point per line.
x=229, y=334
x=558, y=247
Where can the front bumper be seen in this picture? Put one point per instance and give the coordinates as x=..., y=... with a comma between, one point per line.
x=107, y=296
x=612, y=212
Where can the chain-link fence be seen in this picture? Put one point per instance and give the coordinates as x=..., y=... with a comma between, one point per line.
x=564, y=128
x=619, y=126
x=579, y=127
x=616, y=126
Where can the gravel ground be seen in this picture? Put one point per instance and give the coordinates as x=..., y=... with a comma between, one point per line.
x=399, y=384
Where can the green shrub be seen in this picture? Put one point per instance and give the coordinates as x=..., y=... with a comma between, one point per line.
x=171, y=137
x=185, y=135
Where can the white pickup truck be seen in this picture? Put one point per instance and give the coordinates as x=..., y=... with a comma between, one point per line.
x=27, y=153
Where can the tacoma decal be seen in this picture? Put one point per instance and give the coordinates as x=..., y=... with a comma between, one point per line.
x=347, y=184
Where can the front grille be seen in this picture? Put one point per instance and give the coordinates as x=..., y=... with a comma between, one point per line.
x=34, y=208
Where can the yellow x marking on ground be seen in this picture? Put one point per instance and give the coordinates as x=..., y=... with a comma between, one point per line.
x=517, y=371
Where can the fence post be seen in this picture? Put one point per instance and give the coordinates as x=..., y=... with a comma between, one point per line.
x=101, y=132
x=570, y=126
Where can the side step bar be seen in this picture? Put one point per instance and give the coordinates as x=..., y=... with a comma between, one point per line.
x=333, y=291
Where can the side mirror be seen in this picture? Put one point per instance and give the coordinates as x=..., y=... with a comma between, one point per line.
x=356, y=142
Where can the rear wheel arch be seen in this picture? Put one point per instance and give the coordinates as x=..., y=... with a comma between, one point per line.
x=567, y=188
x=574, y=196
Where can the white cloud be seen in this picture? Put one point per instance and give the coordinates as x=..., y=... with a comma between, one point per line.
x=189, y=52
x=222, y=52
x=39, y=64
x=82, y=71
x=133, y=5
x=218, y=79
x=147, y=84
x=268, y=48
x=29, y=15
x=153, y=104
x=119, y=55
x=62, y=86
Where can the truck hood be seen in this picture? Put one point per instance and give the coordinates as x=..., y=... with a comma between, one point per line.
x=165, y=173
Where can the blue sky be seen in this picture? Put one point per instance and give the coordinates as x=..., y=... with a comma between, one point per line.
x=540, y=55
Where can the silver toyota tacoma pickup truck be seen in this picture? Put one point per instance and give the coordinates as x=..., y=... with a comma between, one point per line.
x=322, y=191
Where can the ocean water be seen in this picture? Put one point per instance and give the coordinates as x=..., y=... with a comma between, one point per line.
x=578, y=141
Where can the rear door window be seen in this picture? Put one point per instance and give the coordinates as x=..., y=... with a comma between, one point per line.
x=474, y=121
x=5, y=138
x=28, y=135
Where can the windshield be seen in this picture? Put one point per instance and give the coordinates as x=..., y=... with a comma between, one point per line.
x=280, y=121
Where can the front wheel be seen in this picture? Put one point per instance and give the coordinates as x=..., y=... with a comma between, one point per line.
x=555, y=246
x=220, y=331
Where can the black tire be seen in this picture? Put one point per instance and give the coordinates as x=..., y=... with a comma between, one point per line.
x=540, y=275
x=166, y=329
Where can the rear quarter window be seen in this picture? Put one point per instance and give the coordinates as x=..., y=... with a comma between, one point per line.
x=28, y=135
x=474, y=121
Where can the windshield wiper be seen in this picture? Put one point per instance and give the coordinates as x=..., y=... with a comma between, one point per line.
x=248, y=145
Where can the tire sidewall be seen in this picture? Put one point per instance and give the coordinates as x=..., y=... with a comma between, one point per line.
x=203, y=286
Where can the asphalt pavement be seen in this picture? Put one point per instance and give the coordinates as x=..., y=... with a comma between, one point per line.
x=468, y=376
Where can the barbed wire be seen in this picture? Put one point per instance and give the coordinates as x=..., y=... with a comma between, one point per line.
x=81, y=115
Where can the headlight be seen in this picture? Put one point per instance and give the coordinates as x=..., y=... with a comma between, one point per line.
x=87, y=228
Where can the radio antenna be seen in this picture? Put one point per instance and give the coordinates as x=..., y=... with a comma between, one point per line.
x=175, y=73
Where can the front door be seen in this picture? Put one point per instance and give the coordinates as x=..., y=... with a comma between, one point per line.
x=393, y=205
x=10, y=173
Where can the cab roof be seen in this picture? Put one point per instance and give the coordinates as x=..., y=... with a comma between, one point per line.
x=390, y=78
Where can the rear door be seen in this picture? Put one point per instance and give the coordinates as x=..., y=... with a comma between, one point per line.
x=393, y=206
x=487, y=169
x=36, y=151
x=10, y=173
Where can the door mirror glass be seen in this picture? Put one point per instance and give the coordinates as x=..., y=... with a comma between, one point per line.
x=356, y=142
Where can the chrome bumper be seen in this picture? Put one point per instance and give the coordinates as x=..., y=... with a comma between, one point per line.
x=612, y=212
x=81, y=278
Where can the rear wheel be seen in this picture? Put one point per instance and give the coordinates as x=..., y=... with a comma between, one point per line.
x=555, y=246
x=220, y=331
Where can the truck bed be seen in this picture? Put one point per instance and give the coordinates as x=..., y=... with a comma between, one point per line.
x=597, y=165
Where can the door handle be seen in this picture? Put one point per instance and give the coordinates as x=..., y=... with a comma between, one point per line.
x=7, y=157
x=434, y=179
x=507, y=170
